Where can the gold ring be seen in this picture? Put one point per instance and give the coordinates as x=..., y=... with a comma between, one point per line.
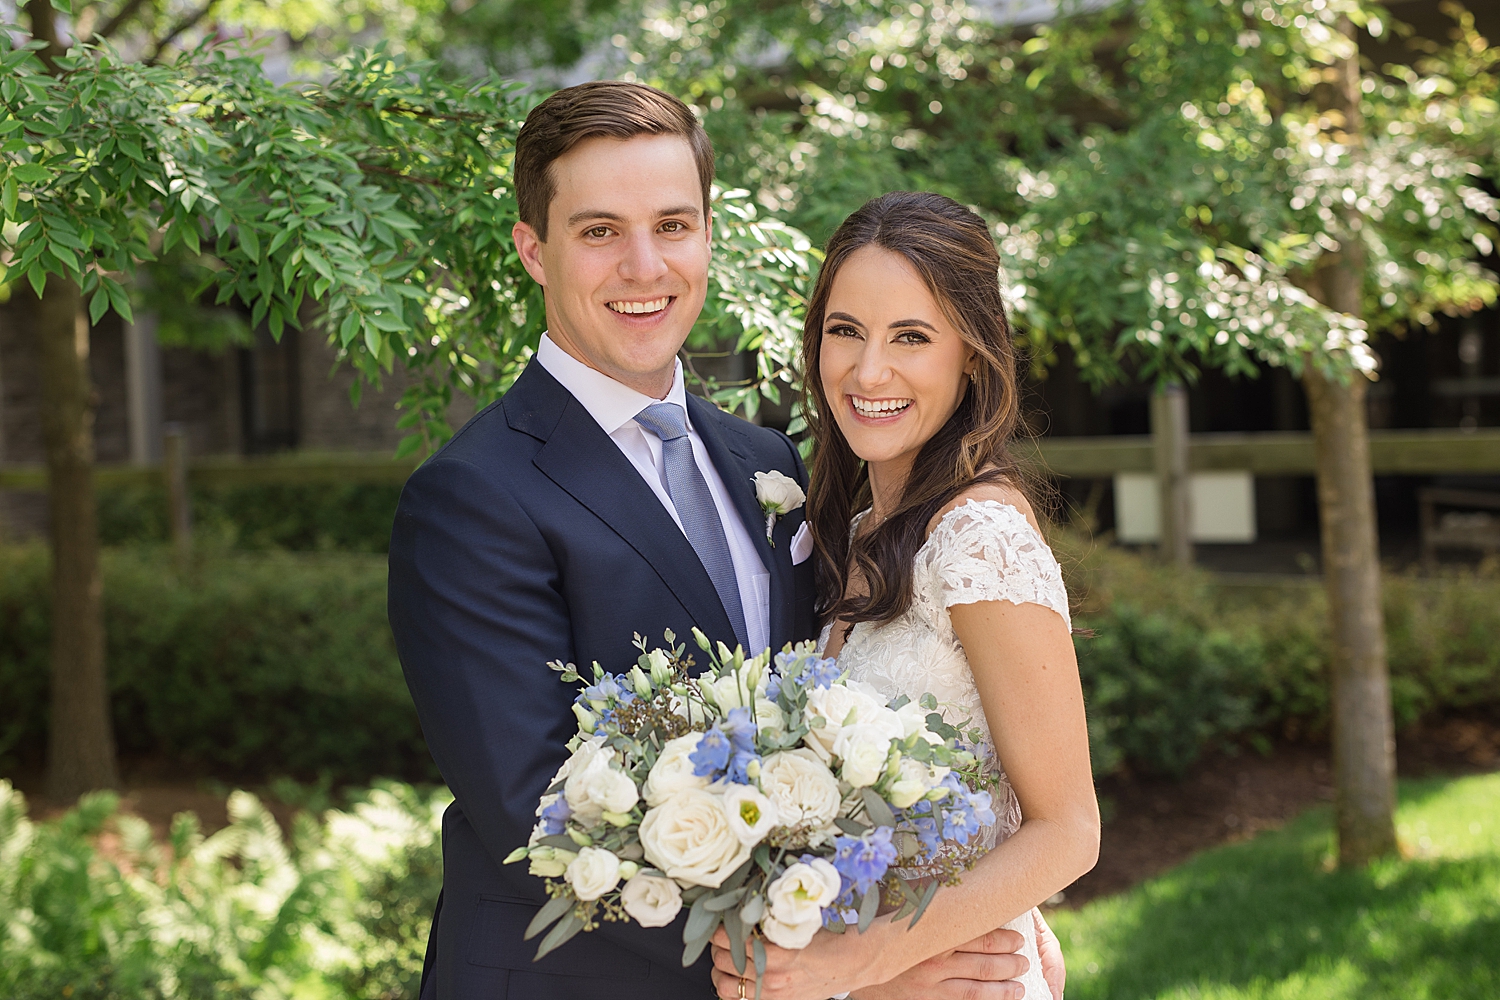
x=742, y=989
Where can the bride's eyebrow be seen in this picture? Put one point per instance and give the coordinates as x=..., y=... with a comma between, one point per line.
x=912, y=322
x=845, y=318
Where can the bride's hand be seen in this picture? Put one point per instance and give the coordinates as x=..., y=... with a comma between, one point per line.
x=831, y=964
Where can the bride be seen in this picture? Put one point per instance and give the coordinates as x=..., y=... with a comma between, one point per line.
x=933, y=575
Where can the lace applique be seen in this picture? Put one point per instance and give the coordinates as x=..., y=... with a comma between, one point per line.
x=987, y=551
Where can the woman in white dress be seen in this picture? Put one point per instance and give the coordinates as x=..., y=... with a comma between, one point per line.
x=933, y=574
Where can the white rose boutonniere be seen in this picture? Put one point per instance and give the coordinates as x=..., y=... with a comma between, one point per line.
x=777, y=494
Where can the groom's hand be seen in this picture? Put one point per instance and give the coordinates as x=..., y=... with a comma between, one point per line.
x=984, y=969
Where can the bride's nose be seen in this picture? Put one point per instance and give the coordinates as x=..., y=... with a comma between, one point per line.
x=873, y=369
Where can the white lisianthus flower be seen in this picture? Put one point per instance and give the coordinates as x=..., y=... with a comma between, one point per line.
x=864, y=750
x=801, y=786
x=599, y=788
x=913, y=781
x=793, y=937
x=850, y=703
x=651, y=901
x=549, y=862
x=673, y=771
x=661, y=667
x=593, y=873
x=795, y=902
x=689, y=837
x=751, y=814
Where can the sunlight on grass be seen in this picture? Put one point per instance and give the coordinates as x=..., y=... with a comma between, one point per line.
x=1269, y=920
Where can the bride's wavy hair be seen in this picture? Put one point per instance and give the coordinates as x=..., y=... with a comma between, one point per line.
x=951, y=249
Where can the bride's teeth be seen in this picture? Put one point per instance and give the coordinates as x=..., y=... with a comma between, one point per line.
x=883, y=407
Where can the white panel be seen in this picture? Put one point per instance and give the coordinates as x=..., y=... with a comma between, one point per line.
x=1137, y=513
x=1223, y=507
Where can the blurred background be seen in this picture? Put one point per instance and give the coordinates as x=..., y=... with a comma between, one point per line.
x=1174, y=186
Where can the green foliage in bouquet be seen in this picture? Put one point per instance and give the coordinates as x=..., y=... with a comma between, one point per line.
x=96, y=907
x=772, y=798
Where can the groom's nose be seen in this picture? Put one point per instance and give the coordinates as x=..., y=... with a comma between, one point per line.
x=641, y=259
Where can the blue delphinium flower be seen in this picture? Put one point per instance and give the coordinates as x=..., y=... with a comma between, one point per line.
x=739, y=726
x=712, y=753
x=738, y=770
x=863, y=861
x=773, y=687
x=822, y=673
x=965, y=813
x=926, y=826
x=610, y=689
x=555, y=815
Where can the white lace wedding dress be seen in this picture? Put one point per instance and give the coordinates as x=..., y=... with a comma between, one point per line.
x=981, y=551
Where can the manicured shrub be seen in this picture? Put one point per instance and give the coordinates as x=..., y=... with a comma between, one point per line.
x=249, y=665
x=341, y=912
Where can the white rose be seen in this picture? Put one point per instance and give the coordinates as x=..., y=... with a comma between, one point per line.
x=914, y=720
x=593, y=873
x=769, y=718
x=864, y=751
x=751, y=814
x=800, y=893
x=673, y=771
x=838, y=704
x=728, y=691
x=689, y=837
x=599, y=788
x=651, y=901
x=780, y=493
x=801, y=787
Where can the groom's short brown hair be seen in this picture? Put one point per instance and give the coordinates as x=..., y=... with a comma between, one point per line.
x=603, y=109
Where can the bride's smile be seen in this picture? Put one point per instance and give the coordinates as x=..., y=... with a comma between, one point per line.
x=891, y=359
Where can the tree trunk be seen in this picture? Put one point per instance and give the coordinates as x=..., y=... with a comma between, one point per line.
x=81, y=747
x=1364, y=746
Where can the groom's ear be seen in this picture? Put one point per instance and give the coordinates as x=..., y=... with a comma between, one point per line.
x=529, y=247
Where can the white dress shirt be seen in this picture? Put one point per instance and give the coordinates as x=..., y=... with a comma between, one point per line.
x=613, y=406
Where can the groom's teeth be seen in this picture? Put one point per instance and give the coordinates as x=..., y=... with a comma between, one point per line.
x=634, y=308
x=879, y=407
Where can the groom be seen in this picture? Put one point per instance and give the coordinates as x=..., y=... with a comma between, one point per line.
x=596, y=500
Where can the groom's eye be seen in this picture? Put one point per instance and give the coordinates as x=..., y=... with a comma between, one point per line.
x=597, y=233
x=673, y=226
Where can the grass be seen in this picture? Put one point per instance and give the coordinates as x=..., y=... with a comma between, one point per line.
x=1272, y=919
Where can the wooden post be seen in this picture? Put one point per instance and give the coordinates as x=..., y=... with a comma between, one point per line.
x=179, y=502
x=143, y=389
x=1169, y=431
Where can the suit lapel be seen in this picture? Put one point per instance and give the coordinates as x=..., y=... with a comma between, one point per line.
x=581, y=459
x=732, y=455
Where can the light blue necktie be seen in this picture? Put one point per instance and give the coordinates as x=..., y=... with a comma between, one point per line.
x=695, y=507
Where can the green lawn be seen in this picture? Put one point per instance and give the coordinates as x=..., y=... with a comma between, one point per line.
x=1268, y=919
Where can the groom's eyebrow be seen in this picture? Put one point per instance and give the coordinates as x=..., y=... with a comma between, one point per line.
x=599, y=215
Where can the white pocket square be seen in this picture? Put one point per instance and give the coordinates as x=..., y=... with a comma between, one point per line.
x=802, y=545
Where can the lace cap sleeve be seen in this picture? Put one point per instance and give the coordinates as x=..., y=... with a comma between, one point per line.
x=985, y=550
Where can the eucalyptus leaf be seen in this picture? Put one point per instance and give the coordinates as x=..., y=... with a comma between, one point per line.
x=550, y=911
x=566, y=928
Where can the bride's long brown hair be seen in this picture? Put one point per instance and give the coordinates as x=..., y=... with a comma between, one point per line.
x=950, y=247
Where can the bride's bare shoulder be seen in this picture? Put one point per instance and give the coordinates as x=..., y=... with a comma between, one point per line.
x=1001, y=492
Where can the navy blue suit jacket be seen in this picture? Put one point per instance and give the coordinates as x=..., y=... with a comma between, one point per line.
x=530, y=537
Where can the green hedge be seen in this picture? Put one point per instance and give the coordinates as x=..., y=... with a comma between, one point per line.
x=274, y=663
x=248, y=665
x=321, y=518
x=1180, y=661
x=339, y=913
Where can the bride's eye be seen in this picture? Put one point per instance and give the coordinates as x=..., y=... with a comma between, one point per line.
x=841, y=331
x=912, y=337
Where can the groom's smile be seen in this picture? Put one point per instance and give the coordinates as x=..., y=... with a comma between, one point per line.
x=624, y=261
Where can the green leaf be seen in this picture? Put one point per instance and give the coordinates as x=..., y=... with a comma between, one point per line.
x=737, y=932
x=724, y=901
x=760, y=963
x=98, y=306
x=932, y=889
x=37, y=275
x=560, y=935
x=877, y=808
x=119, y=298
x=550, y=911
x=29, y=173
x=701, y=921
x=868, y=907
x=9, y=192
x=250, y=242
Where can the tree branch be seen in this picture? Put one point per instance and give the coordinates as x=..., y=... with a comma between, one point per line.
x=121, y=16
x=185, y=24
x=44, y=29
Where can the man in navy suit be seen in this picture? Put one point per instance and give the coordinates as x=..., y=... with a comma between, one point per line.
x=596, y=500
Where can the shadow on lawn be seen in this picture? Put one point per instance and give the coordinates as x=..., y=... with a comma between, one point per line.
x=1265, y=919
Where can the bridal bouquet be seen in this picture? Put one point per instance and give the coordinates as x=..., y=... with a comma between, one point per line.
x=770, y=795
